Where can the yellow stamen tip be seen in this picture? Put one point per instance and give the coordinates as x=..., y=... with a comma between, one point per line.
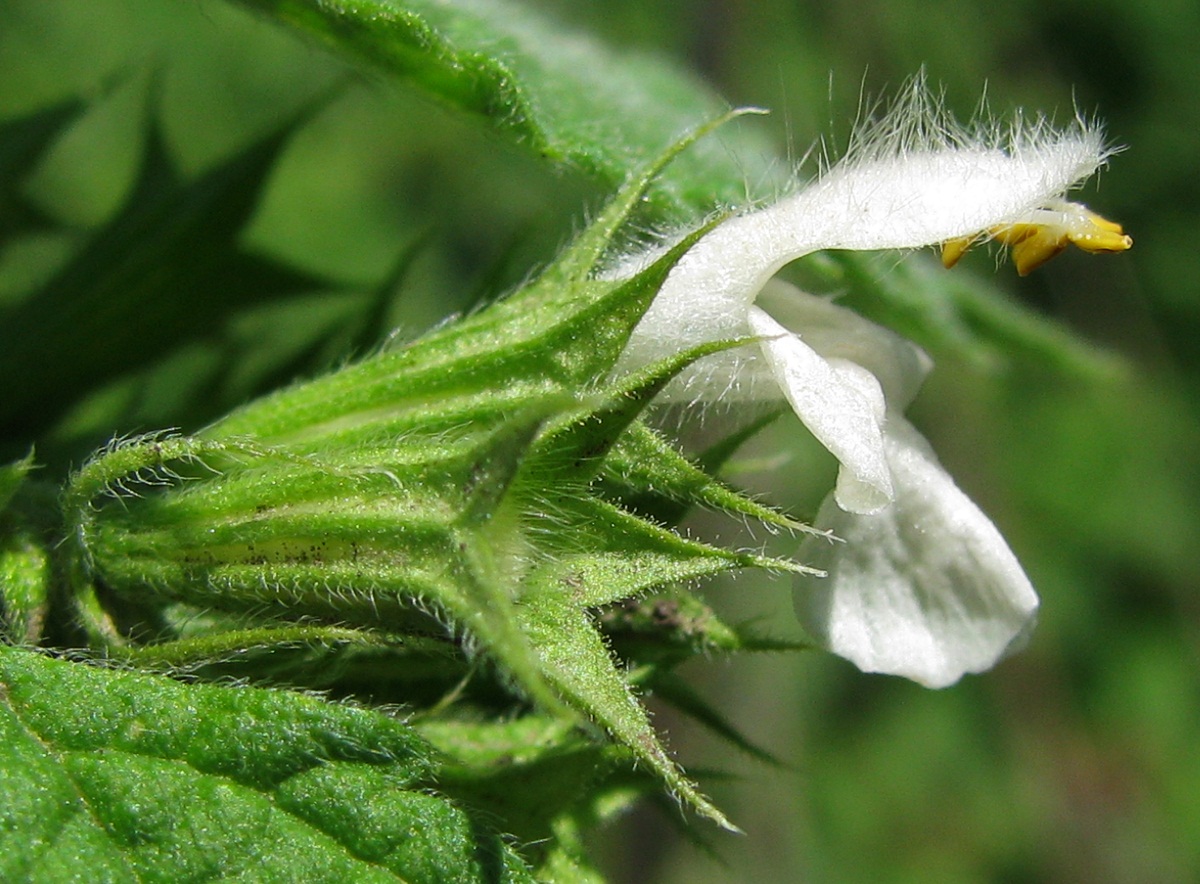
x=1100, y=241
x=954, y=249
x=1096, y=234
x=1035, y=249
x=1035, y=241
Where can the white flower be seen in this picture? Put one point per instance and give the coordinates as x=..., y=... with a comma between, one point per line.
x=921, y=584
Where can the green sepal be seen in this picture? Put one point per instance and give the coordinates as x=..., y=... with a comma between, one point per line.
x=573, y=449
x=580, y=665
x=649, y=474
x=422, y=672
x=606, y=554
x=216, y=648
x=584, y=256
x=378, y=541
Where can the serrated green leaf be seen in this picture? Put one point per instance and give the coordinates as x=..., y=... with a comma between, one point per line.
x=165, y=270
x=113, y=776
x=257, y=738
x=166, y=822
x=416, y=836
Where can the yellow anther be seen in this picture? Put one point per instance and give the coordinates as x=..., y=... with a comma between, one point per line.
x=1097, y=234
x=1036, y=241
x=1037, y=247
x=1087, y=216
x=953, y=249
x=1012, y=234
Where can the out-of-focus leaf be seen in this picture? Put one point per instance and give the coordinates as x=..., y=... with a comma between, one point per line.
x=674, y=690
x=23, y=143
x=12, y=476
x=165, y=270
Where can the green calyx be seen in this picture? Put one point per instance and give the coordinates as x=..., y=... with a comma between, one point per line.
x=460, y=486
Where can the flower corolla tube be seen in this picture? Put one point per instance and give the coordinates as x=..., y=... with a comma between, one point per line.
x=918, y=582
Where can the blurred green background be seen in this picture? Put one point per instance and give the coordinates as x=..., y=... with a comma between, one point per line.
x=1077, y=760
